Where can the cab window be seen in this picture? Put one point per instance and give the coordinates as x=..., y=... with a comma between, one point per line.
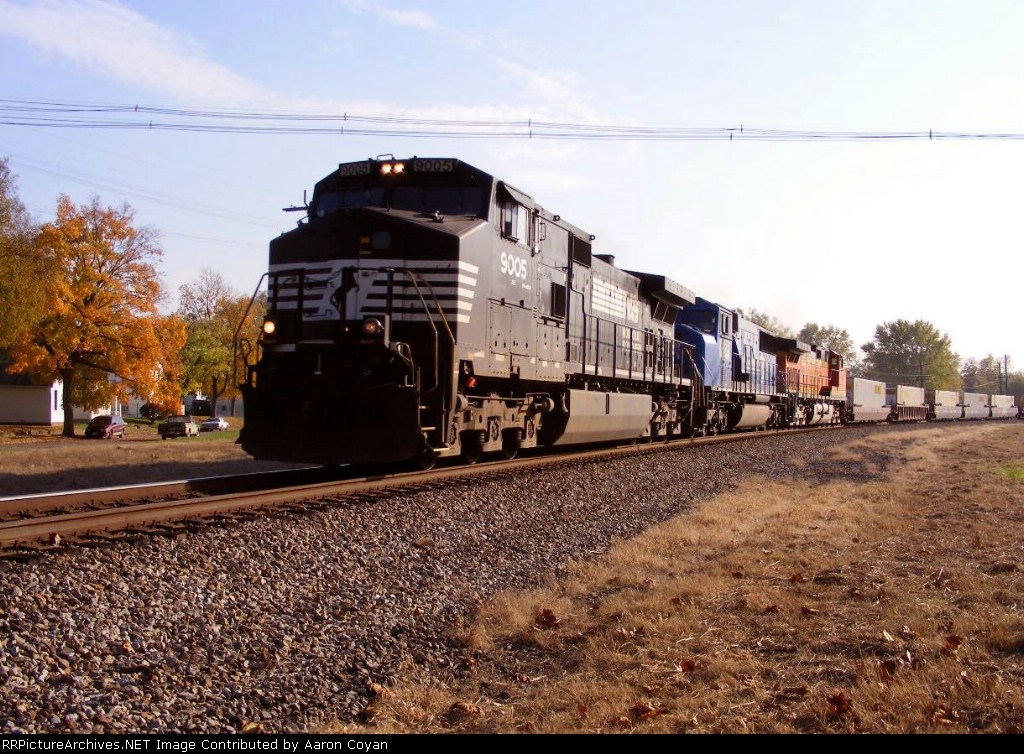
x=515, y=222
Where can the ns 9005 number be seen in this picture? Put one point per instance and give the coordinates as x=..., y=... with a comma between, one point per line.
x=433, y=166
x=514, y=266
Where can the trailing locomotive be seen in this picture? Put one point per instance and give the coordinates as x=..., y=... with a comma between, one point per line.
x=425, y=309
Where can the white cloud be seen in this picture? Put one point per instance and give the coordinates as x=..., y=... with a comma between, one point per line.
x=115, y=41
x=414, y=18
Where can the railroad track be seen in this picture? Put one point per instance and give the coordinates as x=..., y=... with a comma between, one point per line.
x=46, y=524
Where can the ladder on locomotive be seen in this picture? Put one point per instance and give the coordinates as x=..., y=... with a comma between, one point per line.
x=698, y=398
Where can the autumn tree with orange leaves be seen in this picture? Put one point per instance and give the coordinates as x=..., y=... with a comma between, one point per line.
x=101, y=292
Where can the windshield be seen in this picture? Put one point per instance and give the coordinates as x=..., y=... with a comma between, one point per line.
x=100, y=421
x=347, y=198
x=448, y=200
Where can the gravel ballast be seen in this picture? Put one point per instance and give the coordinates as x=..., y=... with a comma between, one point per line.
x=284, y=621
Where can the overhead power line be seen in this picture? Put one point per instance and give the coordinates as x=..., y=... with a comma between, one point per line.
x=43, y=114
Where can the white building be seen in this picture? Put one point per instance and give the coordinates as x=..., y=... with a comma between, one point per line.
x=23, y=401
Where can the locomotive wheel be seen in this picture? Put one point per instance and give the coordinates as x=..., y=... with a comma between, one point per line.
x=472, y=446
x=511, y=442
x=426, y=457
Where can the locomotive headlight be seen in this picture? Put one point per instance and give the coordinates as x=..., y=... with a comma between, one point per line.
x=269, y=326
x=372, y=328
x=385, y=169
x=399, y=167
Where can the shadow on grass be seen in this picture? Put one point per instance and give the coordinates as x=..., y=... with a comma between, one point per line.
x=13, y=485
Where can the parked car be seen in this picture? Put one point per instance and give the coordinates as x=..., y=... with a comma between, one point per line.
x=214, y=424
x=105, y=427
x=179, y=425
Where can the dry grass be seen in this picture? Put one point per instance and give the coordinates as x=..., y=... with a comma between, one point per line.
x=894, y=606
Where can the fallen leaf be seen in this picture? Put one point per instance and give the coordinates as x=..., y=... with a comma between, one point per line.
x=686, y=666
x=381, y=692
x=464, y=708
x=645, y=711
x=841, y=704
x=952, y=644
x=582, y=710
x=250, y=727
x=772, y=609
x=887, y=636
x=546, y=618
x=522, y=677
x=797, y=578
x=907, y=633
x=912, y=662
x=808, y=611
x=737, y=574
x=625, y=722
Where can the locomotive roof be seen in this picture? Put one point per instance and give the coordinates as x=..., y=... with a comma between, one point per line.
x=664, y=289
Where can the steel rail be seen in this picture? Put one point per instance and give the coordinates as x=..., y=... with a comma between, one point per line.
x=53, y=530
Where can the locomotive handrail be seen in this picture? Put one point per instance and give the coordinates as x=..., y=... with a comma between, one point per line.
x=238, y=332
x=447, y=328
x=426, y=309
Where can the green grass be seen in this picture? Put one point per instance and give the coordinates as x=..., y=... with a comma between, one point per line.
x=227, y=434
x=1013, y=470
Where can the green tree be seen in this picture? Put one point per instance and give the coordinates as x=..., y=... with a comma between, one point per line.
x=985, y=376
x=100, y=292
x=20, y=267
x=1016, y=385
x=767, y=321
x=213, y=311
x=834, y=338
x=912, y=353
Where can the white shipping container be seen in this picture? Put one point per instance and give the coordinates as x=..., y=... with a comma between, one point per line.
x=975, y=406
x=1002, y=406
x=947, y=404
x=866, y=399
x=907, y=395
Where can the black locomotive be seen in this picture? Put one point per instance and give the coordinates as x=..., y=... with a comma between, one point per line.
x=424, y=309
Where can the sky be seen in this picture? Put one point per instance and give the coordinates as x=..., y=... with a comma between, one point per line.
x=851, y=233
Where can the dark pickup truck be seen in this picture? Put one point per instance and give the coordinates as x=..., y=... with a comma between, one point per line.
x=180, y=425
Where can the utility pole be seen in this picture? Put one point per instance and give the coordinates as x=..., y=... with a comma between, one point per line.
x=1006, y=373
